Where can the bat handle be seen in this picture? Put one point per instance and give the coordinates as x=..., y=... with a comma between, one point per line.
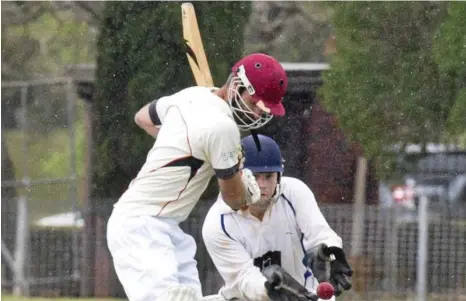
x=307, y=294
x=311, y=296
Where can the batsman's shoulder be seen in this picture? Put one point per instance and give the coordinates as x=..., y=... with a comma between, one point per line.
x=197, y=90
x=221, y=126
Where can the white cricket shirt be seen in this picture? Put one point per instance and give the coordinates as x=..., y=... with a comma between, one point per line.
x=197, y=139
x=240, y=245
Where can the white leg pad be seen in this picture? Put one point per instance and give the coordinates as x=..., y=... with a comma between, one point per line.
x=213, y=298
x=179, y=293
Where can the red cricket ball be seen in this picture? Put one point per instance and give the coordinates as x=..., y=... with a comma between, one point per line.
x=325, y=290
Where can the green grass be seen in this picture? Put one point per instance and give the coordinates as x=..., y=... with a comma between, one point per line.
x=353, y=296
x=344, y=297
x=13, y=298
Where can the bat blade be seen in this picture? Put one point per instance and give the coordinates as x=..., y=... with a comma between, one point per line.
x=194, y=48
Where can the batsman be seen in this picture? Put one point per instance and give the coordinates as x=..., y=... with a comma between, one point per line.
x=198, y=136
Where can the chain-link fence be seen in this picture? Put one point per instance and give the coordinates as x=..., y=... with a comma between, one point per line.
x=407, y=252
x=401, y=258
x=388, y=266
x=40, y=185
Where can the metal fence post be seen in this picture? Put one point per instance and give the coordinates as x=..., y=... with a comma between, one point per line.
x=22, y=223
x=423, y=232
x=394, y=243
x=22, y=228
x=359, y=207
x=71, y=118
x=88, y=235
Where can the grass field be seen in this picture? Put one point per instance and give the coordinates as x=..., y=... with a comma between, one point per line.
x=347, y=297
x=13, y=298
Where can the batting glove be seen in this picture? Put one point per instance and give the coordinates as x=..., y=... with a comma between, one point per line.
x=253, y=192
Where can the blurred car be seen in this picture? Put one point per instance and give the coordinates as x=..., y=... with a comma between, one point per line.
x=61, y=220
x=441, y=177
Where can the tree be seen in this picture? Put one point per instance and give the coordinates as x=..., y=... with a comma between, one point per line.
x=141, y=57
x=278, y=28
x=450, y=54
x=40, y=38
x=384, y=85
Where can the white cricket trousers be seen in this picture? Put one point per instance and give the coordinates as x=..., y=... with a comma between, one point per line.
x=150, y=255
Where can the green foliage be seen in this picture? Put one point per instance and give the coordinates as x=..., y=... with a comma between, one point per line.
x=38, y=40
x=278, y=28
x=140, y=58
x=48, y=157
x=58, y=164
x=384, y=85
x=46, y=43
x=456, y=122
x=450, y=39
x=450, y=53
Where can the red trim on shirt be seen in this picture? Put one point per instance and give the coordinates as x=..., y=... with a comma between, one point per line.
x=190, y=155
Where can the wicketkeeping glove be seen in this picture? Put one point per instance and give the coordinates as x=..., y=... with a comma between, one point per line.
x=337, y=271
x=280, y=286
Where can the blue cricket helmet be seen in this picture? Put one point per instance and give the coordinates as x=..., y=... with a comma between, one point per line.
x=268, y=159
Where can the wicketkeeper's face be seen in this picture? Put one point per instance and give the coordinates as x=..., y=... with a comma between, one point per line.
x=267, y=182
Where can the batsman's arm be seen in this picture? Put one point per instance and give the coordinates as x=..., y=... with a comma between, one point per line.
x=147, y=119
x=150, y=117
x=223, y=148
x=232, y=261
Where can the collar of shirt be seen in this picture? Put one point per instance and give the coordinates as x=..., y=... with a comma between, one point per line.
x=219, y=102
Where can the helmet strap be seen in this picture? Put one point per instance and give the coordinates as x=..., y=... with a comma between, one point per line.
x=277, y=193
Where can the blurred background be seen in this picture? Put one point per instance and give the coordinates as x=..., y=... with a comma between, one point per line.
x=375, y=125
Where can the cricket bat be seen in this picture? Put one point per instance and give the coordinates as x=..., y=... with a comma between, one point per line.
x=194, y=48
x=196, y=53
